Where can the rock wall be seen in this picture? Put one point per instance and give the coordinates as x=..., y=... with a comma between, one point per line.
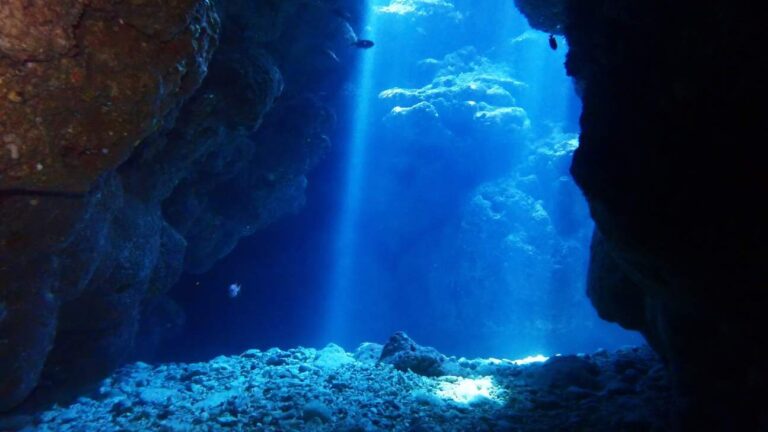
x=671, y=165
x=138, y=141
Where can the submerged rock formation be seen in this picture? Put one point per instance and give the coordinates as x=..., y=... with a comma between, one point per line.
x=131, y=152
x=406, y=355
x=493, y=259
x=670, y=163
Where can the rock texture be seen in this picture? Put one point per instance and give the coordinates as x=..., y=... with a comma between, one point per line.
x=670, y=164
x=88, y=84
x=496, y=253
x=406, y=355
x=548, y=16
x=80, y=91
x=131, y=152
x=303, y=390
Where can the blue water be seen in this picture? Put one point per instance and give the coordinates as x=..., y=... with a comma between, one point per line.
x=444, y=209
x=341, y=295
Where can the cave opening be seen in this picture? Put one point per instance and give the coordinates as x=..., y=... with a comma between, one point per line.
x=444, y=207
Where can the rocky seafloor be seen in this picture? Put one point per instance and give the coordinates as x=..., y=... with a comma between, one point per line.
x=397, y=387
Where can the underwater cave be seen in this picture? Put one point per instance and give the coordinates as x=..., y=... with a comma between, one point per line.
x=382, y=215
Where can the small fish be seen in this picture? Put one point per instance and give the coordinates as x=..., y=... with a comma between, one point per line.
x=363, y=43
x=553, y=42
x=234, y=290
x=332, y=55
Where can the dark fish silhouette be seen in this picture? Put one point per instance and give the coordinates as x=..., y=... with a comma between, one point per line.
x=363, y=43
x=553, y=42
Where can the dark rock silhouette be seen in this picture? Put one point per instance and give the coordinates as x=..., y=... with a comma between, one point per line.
x=670, y=163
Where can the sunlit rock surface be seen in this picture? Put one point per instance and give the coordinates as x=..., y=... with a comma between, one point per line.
x=457, y=116
x=514, y=276
x=512, y=247
x=670, y=163
x=418, y=7
x=331, y=390
x=139, y=141
x=468, y=94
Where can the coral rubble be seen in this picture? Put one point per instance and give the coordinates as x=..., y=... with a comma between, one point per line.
x=331, y=390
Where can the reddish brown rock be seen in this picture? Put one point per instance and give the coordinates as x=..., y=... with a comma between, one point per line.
x=81, y=85
x=38, y=29
x=122, y=178
x=80, y=112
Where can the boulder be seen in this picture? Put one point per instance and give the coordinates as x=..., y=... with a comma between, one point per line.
x=406, y=355
x=564, y=372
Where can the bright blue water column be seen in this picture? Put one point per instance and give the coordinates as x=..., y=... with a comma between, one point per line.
x=340, y=300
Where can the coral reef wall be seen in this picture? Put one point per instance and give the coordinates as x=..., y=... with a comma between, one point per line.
x=671, y=165
x=476, y=238
x=138, y=142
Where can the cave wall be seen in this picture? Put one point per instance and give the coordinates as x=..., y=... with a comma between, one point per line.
x=671, y=164
x=139, y=142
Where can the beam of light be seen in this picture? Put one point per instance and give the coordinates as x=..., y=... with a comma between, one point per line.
x=340, y=293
